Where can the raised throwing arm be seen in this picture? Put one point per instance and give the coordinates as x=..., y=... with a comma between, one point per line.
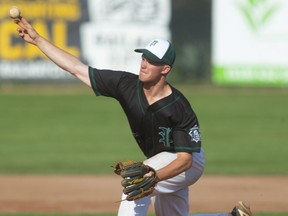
x=60, y=57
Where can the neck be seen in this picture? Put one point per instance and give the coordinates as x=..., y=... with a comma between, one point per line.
x=156, y=92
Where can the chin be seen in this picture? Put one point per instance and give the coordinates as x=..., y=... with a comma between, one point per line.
x=142, y=77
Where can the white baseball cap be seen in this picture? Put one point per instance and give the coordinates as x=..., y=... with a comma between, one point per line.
x=159, y=51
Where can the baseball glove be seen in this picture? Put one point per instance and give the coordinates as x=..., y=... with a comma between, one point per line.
x=139, y=180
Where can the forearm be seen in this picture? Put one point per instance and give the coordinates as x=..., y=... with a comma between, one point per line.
x=63, y=59
x=60, y=57
x=182, y=163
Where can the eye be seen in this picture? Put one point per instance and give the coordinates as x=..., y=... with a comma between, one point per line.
x=154, y=63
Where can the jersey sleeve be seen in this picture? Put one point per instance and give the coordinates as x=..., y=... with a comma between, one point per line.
x=187, y=139
x=186, y=133
x=105, y=82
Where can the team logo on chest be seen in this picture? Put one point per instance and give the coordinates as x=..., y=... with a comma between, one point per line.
x=165, y=134
x=195, y=134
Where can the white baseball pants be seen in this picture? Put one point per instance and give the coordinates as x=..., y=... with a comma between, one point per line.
x=170, y=197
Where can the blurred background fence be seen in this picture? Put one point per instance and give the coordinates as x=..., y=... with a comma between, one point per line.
x=239, y=42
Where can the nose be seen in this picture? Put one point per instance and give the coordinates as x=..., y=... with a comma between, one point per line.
x=143, y=63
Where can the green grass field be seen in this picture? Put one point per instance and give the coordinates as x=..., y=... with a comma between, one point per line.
x=67, y=129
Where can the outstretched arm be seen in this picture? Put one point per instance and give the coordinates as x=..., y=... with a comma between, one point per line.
x=60, y=57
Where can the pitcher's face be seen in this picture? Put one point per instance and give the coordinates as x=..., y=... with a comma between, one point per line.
x=151, y=71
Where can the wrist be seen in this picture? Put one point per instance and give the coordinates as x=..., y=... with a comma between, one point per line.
x=38, y=40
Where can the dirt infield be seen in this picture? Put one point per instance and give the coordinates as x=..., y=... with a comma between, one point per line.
x=100, y=193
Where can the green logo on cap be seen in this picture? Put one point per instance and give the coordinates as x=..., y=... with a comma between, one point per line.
x=153, y=43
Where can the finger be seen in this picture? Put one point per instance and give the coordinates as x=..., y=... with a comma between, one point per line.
x=23, y=23
x=19, y=29
x=149, y=174
x=21, y=32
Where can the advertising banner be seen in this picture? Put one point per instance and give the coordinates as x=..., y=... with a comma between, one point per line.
x=250, y=42
x=102, y=33
x=117, y=27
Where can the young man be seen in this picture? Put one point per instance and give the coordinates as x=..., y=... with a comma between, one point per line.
x=161, y=119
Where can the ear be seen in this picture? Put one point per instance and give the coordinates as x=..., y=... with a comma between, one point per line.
x=166, y=69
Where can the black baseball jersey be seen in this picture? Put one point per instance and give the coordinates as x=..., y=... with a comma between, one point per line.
x=169, y=124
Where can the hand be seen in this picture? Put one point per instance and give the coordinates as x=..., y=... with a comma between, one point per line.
x=27, y=32
x=139, y=180
x=149, y=174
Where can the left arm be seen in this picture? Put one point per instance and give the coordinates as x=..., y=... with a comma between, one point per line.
x=182, y=163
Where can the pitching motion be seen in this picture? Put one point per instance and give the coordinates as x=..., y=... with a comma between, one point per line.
x=161, y=119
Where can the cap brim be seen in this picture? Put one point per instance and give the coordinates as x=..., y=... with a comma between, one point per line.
x=149, y=55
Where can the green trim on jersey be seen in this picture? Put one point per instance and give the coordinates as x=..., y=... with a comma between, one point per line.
x=168, y=104
x=93, y=82
x=187, y=148
x=153, y=119
x=139, y=96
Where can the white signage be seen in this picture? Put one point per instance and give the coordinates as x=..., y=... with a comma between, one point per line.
x=250, y=42
x=102, y=33
x=117, y=27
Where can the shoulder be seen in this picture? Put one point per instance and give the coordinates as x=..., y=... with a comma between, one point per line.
x=179, y=96
x=182, y=107
x=111, y=73
x=110, y=82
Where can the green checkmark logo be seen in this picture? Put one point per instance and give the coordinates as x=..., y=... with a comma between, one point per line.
x=258, y=13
